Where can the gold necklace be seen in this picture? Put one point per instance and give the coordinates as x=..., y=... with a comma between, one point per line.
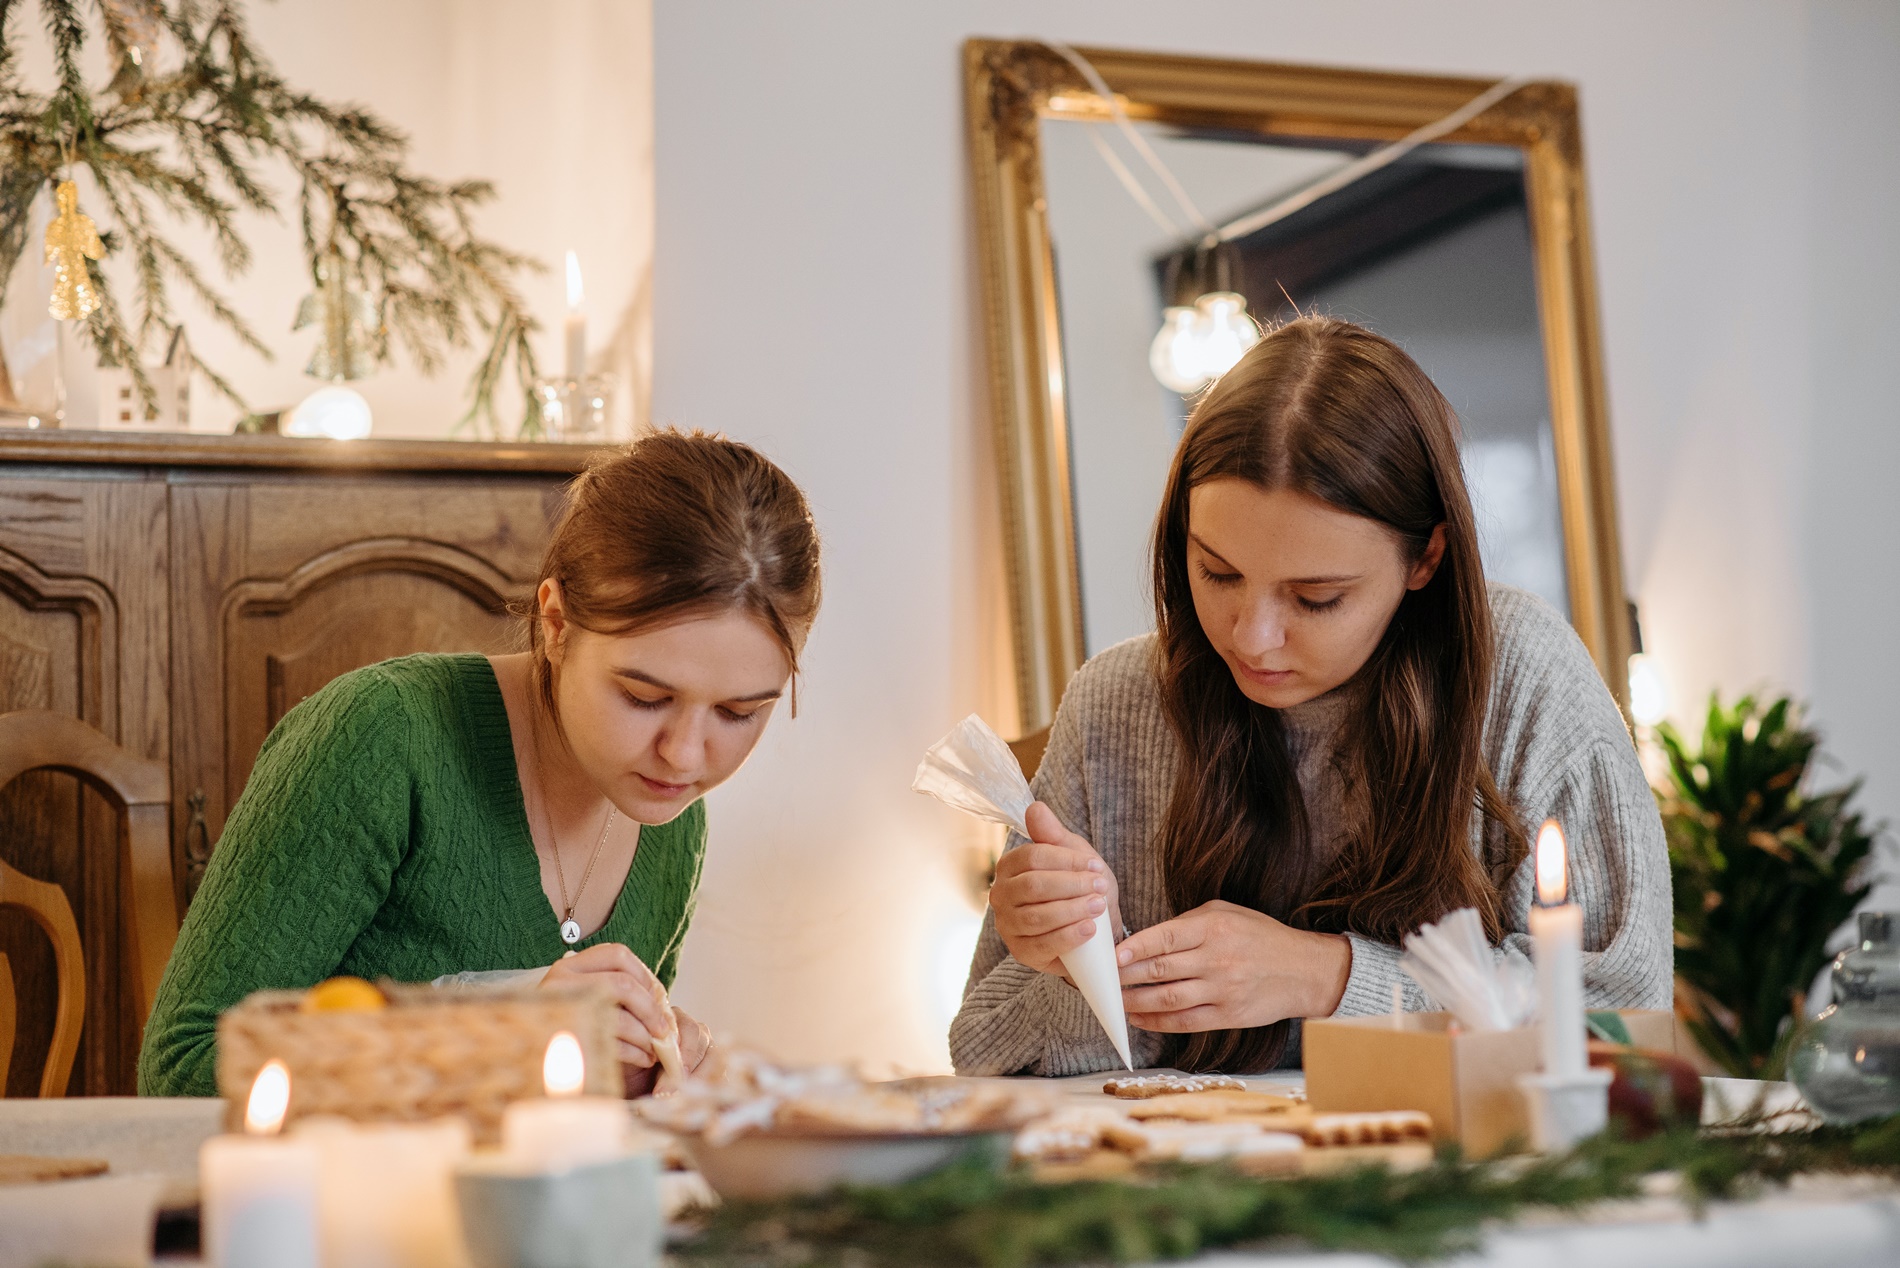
x=570, y=927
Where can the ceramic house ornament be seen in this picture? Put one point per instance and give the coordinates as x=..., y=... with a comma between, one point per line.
x=120, y=408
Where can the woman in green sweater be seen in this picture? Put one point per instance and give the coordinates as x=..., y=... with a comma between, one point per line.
x=439, y=814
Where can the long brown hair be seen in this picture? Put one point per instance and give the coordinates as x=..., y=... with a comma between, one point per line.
x=1337, y=412
x=679, y=524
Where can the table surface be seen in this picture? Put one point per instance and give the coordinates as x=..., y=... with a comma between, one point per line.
x=1816, y=1221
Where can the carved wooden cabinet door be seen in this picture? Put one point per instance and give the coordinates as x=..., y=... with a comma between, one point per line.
x=281, y=583
x=83, y=631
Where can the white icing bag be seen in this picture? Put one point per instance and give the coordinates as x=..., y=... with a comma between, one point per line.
x=972, y=770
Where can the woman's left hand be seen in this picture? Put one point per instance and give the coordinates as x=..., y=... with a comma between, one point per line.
x=695, y=1046
x=1227, y=967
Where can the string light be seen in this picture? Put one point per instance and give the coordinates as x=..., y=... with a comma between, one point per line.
x=1197, y=345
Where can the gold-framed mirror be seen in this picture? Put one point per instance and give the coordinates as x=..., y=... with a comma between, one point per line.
x=1071, y=271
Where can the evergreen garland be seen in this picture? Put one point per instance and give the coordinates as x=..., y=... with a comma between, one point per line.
x=191, y=116
x=972, y=1214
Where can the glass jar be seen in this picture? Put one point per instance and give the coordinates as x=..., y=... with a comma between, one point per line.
x=1847, y=1061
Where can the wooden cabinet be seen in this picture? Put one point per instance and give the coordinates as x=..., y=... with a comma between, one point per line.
x=181, y=594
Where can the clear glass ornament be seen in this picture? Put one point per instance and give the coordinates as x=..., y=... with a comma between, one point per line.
x=348, y=315
x=577, y=411
x=1847, y=1061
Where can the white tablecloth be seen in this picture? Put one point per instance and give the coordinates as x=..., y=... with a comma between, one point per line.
x=1821, y=1222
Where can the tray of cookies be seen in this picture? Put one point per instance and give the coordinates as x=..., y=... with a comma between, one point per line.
x=757, y=1129
x=1149, y=1119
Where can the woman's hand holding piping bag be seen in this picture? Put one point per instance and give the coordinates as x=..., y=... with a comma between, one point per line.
x=646, y=1025
x=1049, y=893
x=1227, y=967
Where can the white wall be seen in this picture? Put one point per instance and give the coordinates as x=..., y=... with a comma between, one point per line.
x=1849, y=541
x=816, y=294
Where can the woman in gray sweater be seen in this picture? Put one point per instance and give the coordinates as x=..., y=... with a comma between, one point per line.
x=1336, y=734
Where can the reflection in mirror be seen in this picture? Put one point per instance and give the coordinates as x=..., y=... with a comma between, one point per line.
x=1433, y=251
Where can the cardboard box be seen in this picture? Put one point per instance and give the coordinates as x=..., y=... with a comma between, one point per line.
x=1466, y=1080
x=1651, y=1028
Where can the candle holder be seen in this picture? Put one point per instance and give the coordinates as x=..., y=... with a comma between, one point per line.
x=600, y=1215
x=576, y=411
x=1566, y=1108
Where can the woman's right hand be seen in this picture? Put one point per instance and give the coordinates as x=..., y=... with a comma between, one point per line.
x=644, y=1014
x=1049, y=893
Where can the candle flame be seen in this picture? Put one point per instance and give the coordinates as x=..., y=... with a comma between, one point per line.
x=1553, y=882
x=574, y=293
x=270, y=1100
x=564, y=1070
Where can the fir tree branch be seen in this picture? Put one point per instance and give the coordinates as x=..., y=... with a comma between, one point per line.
x=71, y=104
x=191, y=141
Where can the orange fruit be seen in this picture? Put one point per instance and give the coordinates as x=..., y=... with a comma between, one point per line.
x=344, y=995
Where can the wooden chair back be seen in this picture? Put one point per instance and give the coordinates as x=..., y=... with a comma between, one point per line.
x=48, y=907
x=140, y=790
x=8, y=1006
x=1029, y=751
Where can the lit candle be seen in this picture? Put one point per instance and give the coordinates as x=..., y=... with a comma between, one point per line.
x=1557, y=927
x=564, y=1129
x=388, y=1192
x=260, y=1189
x=575, y=328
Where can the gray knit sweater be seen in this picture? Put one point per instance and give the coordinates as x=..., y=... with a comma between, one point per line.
x=1556, y=746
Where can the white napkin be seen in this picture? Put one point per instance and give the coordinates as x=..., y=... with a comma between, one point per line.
x=972, y=770
x=1453, y=963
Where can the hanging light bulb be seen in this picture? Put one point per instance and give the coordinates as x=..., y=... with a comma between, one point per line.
x=1175, y=354
x=1198, y=344
x=1225, y=331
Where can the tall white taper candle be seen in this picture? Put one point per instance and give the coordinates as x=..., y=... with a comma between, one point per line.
x=1557, y=927
x=574, y=329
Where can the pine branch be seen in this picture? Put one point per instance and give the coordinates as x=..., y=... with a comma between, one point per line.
x=971, y=1214
x=71, y=104
x=192, y=141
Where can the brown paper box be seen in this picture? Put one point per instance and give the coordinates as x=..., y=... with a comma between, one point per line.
x=1466, y=1080
x=1651, y=1028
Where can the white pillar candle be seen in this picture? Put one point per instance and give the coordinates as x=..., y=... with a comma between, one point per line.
x=574, y=329
x=260, y=1189
x=564, y=1129
x=387, y=1192
x=1557, y=927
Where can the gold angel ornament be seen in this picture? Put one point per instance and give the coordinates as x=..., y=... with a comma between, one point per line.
x=71, y=240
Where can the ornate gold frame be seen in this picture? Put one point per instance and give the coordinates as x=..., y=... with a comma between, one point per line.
x=1010, y=85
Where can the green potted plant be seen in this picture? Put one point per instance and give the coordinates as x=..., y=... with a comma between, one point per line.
x=1764, y=872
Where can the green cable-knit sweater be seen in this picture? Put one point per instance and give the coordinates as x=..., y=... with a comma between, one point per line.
x=383, y=834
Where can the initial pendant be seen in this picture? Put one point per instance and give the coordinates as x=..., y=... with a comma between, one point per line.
x=570, y=932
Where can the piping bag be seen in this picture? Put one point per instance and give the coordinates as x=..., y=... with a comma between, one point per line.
x=972, y=770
